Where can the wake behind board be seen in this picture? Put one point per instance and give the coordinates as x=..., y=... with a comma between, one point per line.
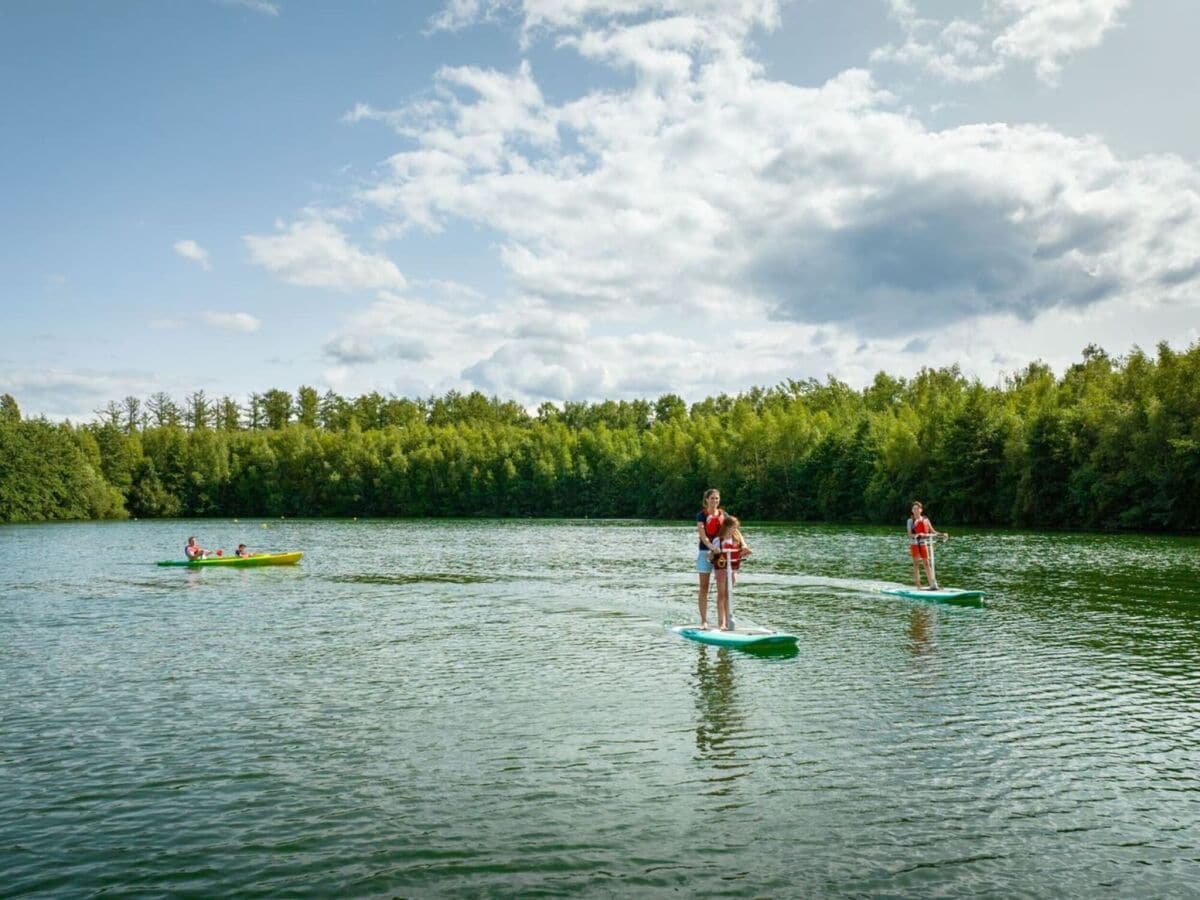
x=744, y=638
x=942, y=595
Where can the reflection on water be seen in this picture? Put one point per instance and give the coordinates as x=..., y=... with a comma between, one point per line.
x=922, y=630
x=720, y=719
x=478, y=722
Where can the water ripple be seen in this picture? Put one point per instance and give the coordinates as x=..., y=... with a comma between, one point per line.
x=482, y=723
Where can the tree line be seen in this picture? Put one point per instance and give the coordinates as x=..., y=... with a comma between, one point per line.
x=1112, y=443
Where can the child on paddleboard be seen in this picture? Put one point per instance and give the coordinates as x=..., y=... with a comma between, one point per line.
x=729, y=549
x=920, y=534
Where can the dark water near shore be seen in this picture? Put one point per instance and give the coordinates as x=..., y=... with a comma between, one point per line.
x=500, y=709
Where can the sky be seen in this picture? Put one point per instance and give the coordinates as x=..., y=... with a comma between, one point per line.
x=586, y=199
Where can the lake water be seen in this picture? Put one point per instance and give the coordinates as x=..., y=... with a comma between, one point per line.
x=500, y=709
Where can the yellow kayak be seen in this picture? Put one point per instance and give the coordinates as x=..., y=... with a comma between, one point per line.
x=237, y=562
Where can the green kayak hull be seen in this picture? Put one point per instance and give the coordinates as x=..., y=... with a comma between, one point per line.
x=238, y=562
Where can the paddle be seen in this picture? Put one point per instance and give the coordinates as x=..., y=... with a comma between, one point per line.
x=729, y=587
x=932, y=568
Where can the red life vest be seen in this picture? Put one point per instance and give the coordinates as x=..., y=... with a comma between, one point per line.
x=921, y=527
x=712, y=526
x=731, y=554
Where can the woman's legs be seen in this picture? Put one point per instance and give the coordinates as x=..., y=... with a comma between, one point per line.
x=928, y=575
x=703, y=603
x=921, y=561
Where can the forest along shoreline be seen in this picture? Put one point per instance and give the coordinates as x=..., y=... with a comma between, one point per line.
x=1112, y=443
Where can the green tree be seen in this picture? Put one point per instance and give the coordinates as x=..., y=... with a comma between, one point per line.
x=308, y=406
x=277, y=409
x=10, y=413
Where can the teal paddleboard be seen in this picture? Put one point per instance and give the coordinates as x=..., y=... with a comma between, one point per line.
x=745, y=638
x=942, y=595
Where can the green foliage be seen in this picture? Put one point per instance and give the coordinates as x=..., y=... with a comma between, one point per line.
x=52, y=472
x=10, y=413
x=1113, y=443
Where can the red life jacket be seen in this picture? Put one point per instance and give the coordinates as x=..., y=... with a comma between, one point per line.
x=712, y=526
x=920, y=528
x=731, y=554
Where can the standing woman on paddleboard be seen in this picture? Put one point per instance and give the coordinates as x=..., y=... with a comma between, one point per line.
x=920, y=533
x=708, y=527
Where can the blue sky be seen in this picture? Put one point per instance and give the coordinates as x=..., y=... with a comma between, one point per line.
x=579, y=199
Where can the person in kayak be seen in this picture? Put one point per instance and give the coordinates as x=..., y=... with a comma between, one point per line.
x=729, y=549
x=242, y=551
x=920, y=533
x=194, y=550
x=708, y=528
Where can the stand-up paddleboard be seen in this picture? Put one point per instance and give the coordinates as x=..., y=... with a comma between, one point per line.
x=742, y=638
x=937, y=595
x=239, y=562
x=942, y=595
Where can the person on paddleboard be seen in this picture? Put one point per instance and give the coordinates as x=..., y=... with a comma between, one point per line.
x=194, y=550
x=920, y=533
x=730, y=548
x=708, y=528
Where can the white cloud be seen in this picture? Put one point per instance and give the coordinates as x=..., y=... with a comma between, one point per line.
x=397, y=327
x=1043, y=33
x=353, y=349
x=73, y=393
x=707, y=227
x=1046, y=32
x=189, y=249
x=814, y=204
x=259, y=6
x=315, y=253
x=238, y=321
x=458, y=14
x=577, y=14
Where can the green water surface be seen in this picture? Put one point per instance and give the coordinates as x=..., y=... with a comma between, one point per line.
x=500, y=709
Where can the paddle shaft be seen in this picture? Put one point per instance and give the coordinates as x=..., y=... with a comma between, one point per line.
x=728, y=585
x=727, y=553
